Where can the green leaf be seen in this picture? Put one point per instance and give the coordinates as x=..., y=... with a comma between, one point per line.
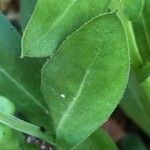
x=16, y=141
x=99, y=140
x=133, y=141
x=27, y=7
x=136, y=60
x=76, y=80
x=145, y=87
x=136, y=105
x=135, y=102
x=142, y=32
x=6, y=105
x=142, y=40
x=146, y=18
x=20, y=79
x=133, y=8
x=144, y=72
x=52, y=21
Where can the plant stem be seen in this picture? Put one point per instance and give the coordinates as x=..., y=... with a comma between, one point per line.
x=24, y=127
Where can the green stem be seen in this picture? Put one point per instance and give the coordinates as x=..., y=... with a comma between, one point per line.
x=136, y=60
x=24, y=127
x=146, y=31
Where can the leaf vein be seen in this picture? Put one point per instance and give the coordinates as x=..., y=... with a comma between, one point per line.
x=77, y=95
x=7, y=75
x=63, y=14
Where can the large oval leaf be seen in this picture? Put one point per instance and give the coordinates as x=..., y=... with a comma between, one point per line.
x=54, y=20
x=20, y=79
x=84, y=81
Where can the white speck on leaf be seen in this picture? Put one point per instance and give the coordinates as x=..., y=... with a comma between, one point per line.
x=62, y=95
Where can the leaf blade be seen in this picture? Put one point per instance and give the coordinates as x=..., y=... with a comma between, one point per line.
x=51, y=30
x=75, y=72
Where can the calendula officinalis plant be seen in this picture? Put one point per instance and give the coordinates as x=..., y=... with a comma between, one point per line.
x=65, y=69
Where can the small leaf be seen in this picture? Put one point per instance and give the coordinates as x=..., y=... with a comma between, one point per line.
x=20, y=79
x=133, y=8
x=52, y=21
x=99, y=140
x=77, y=79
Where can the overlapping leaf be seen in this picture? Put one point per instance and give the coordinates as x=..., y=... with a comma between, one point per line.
x=54, y=20
x=91, y=63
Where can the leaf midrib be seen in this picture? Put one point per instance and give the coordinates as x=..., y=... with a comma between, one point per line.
x=77, y=95
x=26, y=92
x=59, y=19
x=55, y=22
x=62, y=15
x=73, y=102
